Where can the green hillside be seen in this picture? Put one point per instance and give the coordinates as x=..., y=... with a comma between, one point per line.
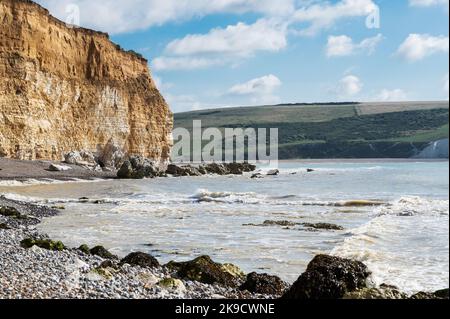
x=350, y=130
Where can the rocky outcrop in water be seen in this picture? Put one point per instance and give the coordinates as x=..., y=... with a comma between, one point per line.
x=66, y=89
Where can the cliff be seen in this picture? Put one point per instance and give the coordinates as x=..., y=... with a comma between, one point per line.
x=65, y=89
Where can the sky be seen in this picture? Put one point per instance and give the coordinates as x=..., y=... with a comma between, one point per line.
x=219, y=53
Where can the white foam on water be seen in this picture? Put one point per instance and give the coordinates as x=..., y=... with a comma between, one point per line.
x=405, y=244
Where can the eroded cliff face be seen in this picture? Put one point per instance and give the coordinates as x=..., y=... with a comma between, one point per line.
x=64, y=89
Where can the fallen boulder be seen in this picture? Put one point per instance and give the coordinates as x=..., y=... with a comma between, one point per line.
x=138, y=167
x=59, y=168
x=328, y=277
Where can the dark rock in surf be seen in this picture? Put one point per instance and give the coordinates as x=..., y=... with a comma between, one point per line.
x=329, y=277
x=324, y=226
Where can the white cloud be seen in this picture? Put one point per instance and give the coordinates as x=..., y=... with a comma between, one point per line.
x=222, y=46
x=260, y=90
x=239, y=39
x=344, y=46
x=324, y=15
x=428, y=3
x=419, y=46
x=349, y=86
x=124, y=16
x=395, y=95
x=184, y=63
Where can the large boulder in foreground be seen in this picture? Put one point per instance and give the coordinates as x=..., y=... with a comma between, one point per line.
x=203, y=269
x=329, y=277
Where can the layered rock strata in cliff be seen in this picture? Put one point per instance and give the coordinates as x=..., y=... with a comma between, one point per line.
x=65, y=89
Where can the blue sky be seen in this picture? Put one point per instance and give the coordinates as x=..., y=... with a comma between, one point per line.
x=215, y=53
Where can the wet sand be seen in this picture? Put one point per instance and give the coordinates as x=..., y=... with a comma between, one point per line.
x=24, y=170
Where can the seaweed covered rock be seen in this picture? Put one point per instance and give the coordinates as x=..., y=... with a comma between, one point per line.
x=383, y=292
x=323, y=226
x=440, y=294
x=43, y=243
x=185, y=170
x=328, y=277
x=138, y=167
x=102, y=252
x=204, y=270
x=85, y=249
x=264, y=284
x=11, y=212
x=140, y=259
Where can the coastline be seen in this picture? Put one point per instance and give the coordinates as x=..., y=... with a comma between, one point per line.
x=36, y=273
x=31, y=272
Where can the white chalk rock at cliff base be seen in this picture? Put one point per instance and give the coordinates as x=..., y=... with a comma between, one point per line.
x=59, y=168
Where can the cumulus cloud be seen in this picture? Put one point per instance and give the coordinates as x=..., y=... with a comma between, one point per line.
x=428, y=3
x=419, y=46
x=239, y=39
x=260, y=90
x=349, y=86
x=124, y=16
x=395, y=95
x=324, y=15
x=344, y=46
x=222, y=45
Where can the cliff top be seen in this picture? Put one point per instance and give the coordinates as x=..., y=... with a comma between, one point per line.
x=87, y=31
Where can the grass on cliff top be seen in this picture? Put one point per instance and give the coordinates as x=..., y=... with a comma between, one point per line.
x=314, y=124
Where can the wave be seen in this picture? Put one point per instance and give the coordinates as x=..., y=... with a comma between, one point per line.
x=45, y=181
x=404, y=244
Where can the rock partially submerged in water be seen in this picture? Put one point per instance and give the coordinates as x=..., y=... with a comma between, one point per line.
x=211, y=168
x=140, y=259
x=264, y=284
x=203, y=269
x=360, y=203
x=282, y=223
x=323, y=226
x=273, y=172
x=329, y=277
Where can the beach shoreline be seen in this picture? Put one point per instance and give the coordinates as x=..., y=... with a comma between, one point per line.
x=31, y=272
x=18, y=170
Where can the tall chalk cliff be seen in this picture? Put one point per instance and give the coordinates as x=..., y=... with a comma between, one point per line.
x=64, y=89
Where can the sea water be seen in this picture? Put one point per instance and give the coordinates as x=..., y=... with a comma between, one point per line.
x=404, y=241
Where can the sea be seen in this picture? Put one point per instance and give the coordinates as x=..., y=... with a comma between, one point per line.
x=394, y=215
